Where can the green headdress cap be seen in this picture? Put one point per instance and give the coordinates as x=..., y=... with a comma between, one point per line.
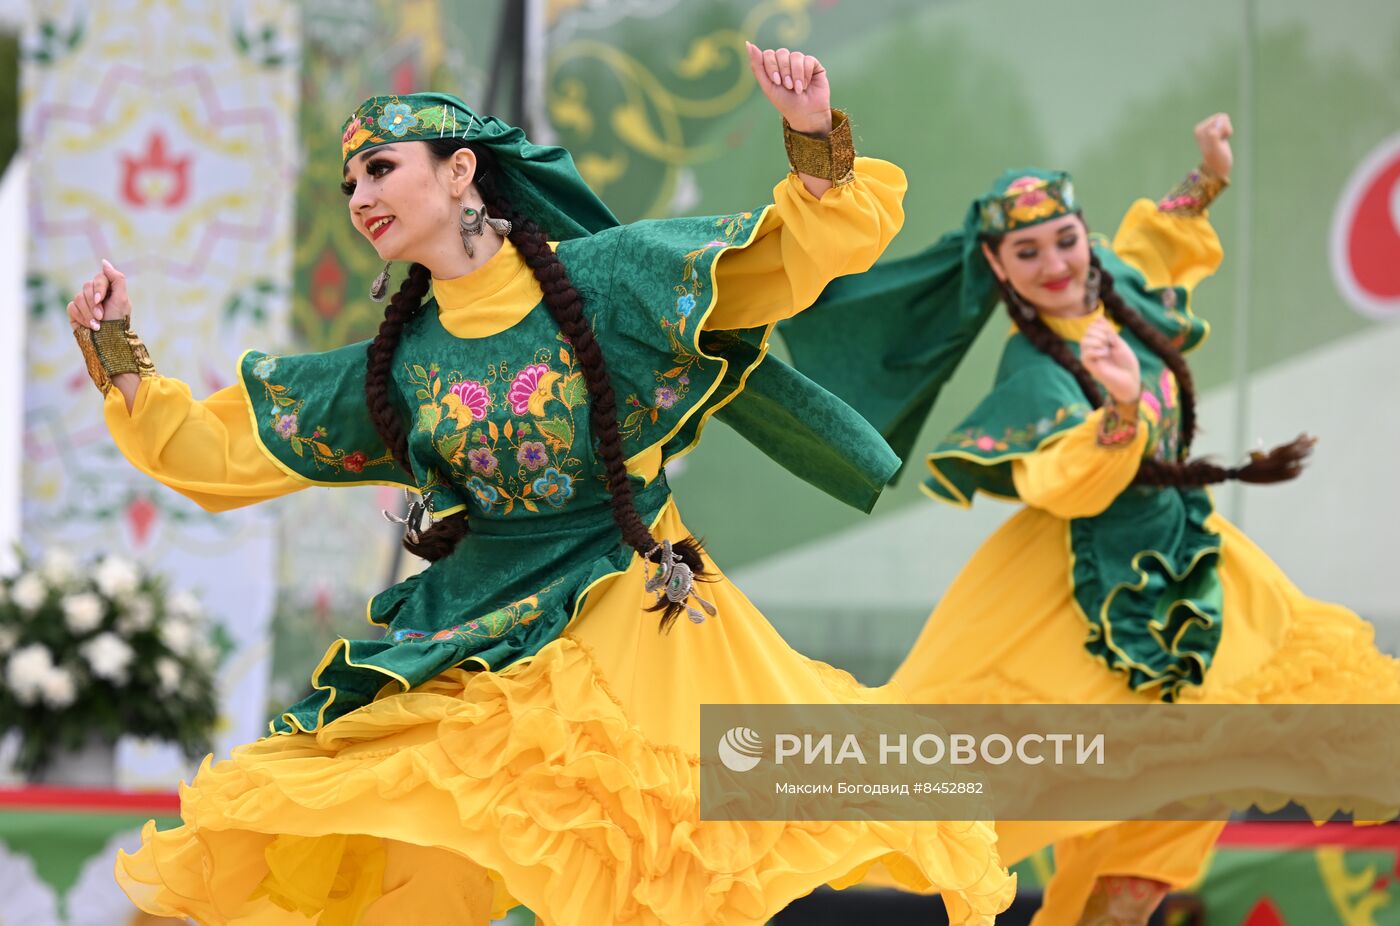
x=921, y=314
x=540, y=181
x=1025, y=197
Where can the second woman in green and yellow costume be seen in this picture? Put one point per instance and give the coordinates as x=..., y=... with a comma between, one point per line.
x=1118, y=581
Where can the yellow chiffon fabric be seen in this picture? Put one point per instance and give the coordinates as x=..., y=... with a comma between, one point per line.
x=572, y=777
x=1008, y=630
x=567, y=781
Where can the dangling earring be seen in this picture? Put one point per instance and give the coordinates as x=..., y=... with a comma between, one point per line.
x=380, y=287
x=472, y=223
x=1018, y=305
x=1091, y=288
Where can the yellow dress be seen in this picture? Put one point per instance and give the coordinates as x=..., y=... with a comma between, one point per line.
x=568, y=780
x=1008, y=629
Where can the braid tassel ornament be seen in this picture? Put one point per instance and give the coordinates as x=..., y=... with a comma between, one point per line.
x=673, y=583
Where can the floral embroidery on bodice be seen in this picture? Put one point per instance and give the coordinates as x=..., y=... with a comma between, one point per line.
x=503, y=419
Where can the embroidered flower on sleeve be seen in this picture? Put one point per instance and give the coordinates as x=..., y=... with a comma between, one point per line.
x=1167, y=386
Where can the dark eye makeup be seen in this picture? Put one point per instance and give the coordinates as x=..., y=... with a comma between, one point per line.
x=376, y=168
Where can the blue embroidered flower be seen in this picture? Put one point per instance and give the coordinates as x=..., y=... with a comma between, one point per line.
x=554, y=487
x=398, y=118
x=264, y=367
x=485, y=493
x=685, y=305
x=402, y=635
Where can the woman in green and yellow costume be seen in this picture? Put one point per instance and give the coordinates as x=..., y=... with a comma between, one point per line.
x=526, y=727
x=1117, y=582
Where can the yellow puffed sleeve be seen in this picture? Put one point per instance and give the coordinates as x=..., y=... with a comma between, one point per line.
x=803, y=243
x=1072, y=476
x=206, y=451
x=1170, y=248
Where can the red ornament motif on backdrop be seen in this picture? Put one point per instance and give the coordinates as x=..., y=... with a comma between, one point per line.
x=328, y=285
x=1366, y=234
x=1265, y=913
x=154, y=178
x=321, y=606
x=140, y=517
x=405, y=77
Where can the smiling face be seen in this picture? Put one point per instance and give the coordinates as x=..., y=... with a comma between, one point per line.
x=405, y=201
x=1047, y=264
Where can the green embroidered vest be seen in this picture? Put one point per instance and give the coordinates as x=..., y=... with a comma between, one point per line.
x=499, y=427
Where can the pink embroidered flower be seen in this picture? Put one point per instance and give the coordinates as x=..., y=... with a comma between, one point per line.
x=285, y=425
x=1167, y=386
x=1031, y=202
x=350, y=130
x=1174, y=203
x=355, y=462
x=1151, y=402
x=467, y=402
x=666, y=397
x=530, y=389
x=532, y=455
x=986, y=442
x=473, y=396
x=1032, y=198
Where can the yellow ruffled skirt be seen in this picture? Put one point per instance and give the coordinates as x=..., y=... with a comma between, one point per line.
x=568, y=782
x=1008, y=631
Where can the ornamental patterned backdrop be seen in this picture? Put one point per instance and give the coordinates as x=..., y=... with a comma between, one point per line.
x=161, y=136
x=655, y=98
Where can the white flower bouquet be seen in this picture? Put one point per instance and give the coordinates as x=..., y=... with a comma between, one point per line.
x=99, y=652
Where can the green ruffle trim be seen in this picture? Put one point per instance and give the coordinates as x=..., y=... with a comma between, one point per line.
x=1156, y=615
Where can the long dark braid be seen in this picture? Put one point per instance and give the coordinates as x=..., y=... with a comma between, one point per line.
x=1279, y=464
x=566, y=306
x=440, y=539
